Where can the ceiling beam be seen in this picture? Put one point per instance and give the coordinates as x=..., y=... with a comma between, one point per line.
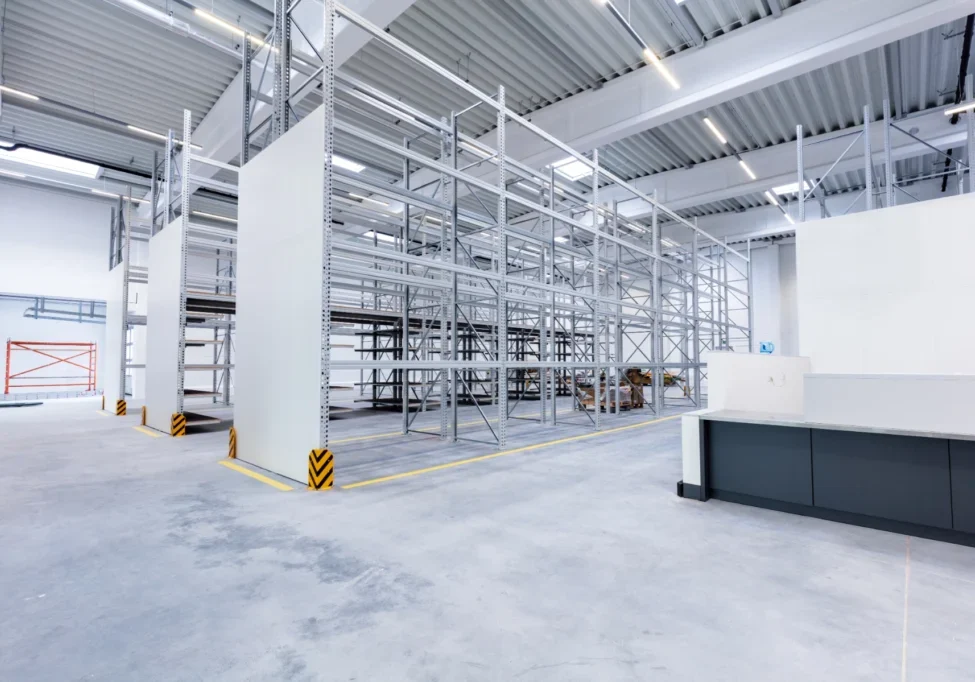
x=806, y=37
x=724, y=179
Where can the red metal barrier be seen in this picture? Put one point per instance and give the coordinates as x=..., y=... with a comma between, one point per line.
x=83, y=356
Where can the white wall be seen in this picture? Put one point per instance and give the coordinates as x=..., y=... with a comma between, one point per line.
x=888, y=291
x=52, y=244
x=756, y=383
x=775, y=310
x=279, y=302
x=13, y=325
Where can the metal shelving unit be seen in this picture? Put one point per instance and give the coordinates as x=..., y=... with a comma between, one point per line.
x=207, y=282
x=469, y=274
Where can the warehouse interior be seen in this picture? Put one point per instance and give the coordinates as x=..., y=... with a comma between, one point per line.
x=487, y=340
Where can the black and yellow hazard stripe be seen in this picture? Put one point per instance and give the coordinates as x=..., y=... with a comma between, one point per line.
x=232, y=451
x=119, y=408
x=177, y=425
x=321, y=469
x=143, y=415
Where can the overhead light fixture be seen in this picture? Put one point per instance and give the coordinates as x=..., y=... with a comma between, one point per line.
x=159, y=136
x=7, y=144
x=214, y=216
x=572, y=168
x=789, y=218
x=961, y=109
x=651, y=58
x=19, y=93
x=714, y=129
x=342, y=162
x=370, y=199
x=670, y=242
x=562, y=240
x=792, y=188
x=771, y=198
x=227, y=26
x=380, y=236
x=748, y=170
x=103, y=193
x=33, y=157
x=11, y=174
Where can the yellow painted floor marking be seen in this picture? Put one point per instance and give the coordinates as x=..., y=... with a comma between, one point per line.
x=483, y=458
x=148, y=432
x=106, y=414
x=429, y=429
x=259, y=477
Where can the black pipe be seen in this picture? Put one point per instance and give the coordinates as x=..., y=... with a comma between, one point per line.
x=966, y=53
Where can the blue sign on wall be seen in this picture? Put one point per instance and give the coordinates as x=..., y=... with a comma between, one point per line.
x=766, y=347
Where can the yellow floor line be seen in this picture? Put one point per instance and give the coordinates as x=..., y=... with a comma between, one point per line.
x=106, y=414
x=148, y=432
x=429, y=429
x=483, y=458
x=253, y=474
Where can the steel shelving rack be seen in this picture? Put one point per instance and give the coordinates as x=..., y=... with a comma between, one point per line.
x=469, y=274
x=206, y=275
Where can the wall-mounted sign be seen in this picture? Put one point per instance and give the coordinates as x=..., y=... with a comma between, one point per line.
x=766, y=347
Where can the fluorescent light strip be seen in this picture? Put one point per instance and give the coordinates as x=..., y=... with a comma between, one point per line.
x=158, y=136
x=960, y=110
x=227, y=26
x=12, y=174
x=714, y=129
x=771, y=198
x=39, y=159
x=748, y=170
x=650, y=57
x=19, y=93
x=214, y=216
x=7, y=144
x=347, y=164
x=789, y=218
x=103, y=193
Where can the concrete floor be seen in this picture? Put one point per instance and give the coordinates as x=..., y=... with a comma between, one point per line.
x=127, y=557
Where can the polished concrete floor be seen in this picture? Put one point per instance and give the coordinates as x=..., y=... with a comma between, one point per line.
x=129, y=557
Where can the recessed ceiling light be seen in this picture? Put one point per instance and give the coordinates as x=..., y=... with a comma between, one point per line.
x=33, y=157
x=572, y=168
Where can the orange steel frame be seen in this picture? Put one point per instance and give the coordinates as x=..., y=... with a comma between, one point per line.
x=70, y=354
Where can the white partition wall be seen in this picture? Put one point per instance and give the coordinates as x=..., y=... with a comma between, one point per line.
x=756, y=383
x=889, y=291
x=163, y=327
x=279, y=302
x=113, y=350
